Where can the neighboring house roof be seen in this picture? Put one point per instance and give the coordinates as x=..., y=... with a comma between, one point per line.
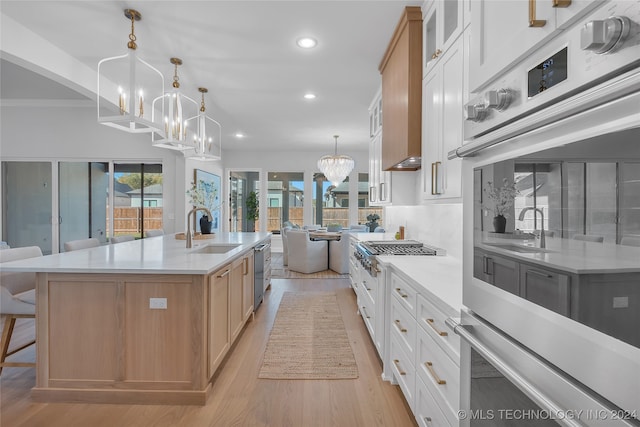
x=277, y=186
x=155, y=189
x=343, y=187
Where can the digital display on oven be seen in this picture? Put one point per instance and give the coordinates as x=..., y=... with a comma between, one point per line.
x=548, y=73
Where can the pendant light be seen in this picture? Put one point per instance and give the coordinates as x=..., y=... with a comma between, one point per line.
x=337, y=167
x=127, y=85
x=208, y=137
x=177, y=108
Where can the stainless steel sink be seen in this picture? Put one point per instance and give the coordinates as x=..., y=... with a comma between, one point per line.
x=516, y=248
x=216, y=249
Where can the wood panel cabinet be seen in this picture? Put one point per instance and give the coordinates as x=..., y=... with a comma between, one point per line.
x=501, y=34
x=219, y=333
x=443, y=94
x=236, y=317
x=500, y=271
x=546, y=288
x=401, y=69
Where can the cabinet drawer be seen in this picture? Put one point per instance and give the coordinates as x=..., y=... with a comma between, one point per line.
x=403, y=370
x=405, y=292
x=370, y=286
x=432, y=319
x=427, y=411
x=404, y=326
x=440, y=374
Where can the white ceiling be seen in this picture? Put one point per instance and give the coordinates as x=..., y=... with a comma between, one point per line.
x=244, y=52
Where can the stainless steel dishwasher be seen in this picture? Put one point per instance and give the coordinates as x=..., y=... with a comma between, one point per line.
x=262, y=269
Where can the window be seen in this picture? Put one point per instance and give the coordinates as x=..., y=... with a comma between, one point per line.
x=137, y=198
x=364, y=209
x=330, y=203
x=286, y=196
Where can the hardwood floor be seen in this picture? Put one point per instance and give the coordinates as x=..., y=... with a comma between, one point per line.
x=239, y=398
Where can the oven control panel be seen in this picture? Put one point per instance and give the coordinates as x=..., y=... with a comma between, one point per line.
x=604, y=45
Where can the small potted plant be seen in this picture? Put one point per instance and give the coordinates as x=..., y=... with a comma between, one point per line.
x=373, y=221
x=500, y=201
x=252, y=206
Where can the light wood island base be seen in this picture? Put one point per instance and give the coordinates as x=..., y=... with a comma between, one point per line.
x=99, y=340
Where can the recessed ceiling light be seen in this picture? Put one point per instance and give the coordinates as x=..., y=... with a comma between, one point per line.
x=239, y=135
x=306, y=42
x=309, y=96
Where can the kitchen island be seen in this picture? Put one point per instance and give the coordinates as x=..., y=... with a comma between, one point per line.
x=147, y=321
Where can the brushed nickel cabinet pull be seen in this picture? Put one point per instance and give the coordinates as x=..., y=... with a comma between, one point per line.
x=540, y=273
x=371, y=193
x=363, y=310
x=383, y=195
x=431, y=323
x=561, y=3
x=533, y=22
x=400, y=328
x=435, y=376
x=226, y=273
x=398, y=290
x=245, y=266
x=397, y=363
x=434, y=178
x=436, y=54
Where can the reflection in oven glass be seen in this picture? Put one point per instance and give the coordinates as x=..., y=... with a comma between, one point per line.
x=496, y=401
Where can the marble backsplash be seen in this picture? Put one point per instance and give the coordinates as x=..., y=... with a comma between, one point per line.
x=437, y=225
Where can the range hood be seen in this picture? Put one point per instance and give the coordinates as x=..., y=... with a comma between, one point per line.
x=401, y=69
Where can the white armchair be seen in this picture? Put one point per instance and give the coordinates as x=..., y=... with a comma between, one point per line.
x=123, y=238
x=339, y=254
x=285, y=245
x=17, y=300
x=74, y=245
x=305, y=255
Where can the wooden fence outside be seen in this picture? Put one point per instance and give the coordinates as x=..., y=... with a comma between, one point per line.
x=128, y=220
x=330, y=215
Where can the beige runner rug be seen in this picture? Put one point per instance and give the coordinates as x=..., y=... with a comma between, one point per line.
x=308, y=340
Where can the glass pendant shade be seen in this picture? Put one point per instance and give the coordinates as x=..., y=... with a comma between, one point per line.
x=127, y=86
x=177, y=107
x=337, y=167
x=207, y=141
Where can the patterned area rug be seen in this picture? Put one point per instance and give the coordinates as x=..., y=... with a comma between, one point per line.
x=278, y=271
x=308, y=340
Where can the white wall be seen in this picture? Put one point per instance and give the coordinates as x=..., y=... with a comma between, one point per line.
x=73, y=134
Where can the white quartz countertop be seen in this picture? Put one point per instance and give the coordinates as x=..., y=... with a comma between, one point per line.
x=152, y=255
x=573, y=256
x=440, y=276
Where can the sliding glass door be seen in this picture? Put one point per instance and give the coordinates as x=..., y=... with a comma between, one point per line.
x=27, y=213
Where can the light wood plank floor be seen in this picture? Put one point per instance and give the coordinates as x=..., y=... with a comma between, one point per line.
x=238, y=398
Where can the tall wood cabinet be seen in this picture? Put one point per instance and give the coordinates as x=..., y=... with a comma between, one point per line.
x=401, y=69
x=219, y=333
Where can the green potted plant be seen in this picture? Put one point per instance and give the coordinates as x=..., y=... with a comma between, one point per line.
x=252, y=206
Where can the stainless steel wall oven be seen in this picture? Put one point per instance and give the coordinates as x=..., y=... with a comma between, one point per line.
x=553, y=286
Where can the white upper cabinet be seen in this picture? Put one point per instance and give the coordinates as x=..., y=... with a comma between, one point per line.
x=379, y=180
x=505, y=31
x=442, y=23
x=443, y=97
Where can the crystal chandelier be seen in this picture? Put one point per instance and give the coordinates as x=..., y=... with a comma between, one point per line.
x=337, y=167
x=127, y=85
x=177, y=108
x=208, y=137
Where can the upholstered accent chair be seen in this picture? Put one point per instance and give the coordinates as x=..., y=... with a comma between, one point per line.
x=358, y=228
x=17, y=300
x=339, y=254
x=74, y=245
x=305, y=255
x=285, y=244
x=630, y=241
x=124, y=238
x=154, y=233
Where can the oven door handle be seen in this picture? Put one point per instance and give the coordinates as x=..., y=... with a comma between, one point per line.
x=508, y=372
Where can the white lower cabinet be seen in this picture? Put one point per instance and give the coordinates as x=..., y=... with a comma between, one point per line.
x=424, y=354
x=403, y=369
x=427, y=411
x=440, y=373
